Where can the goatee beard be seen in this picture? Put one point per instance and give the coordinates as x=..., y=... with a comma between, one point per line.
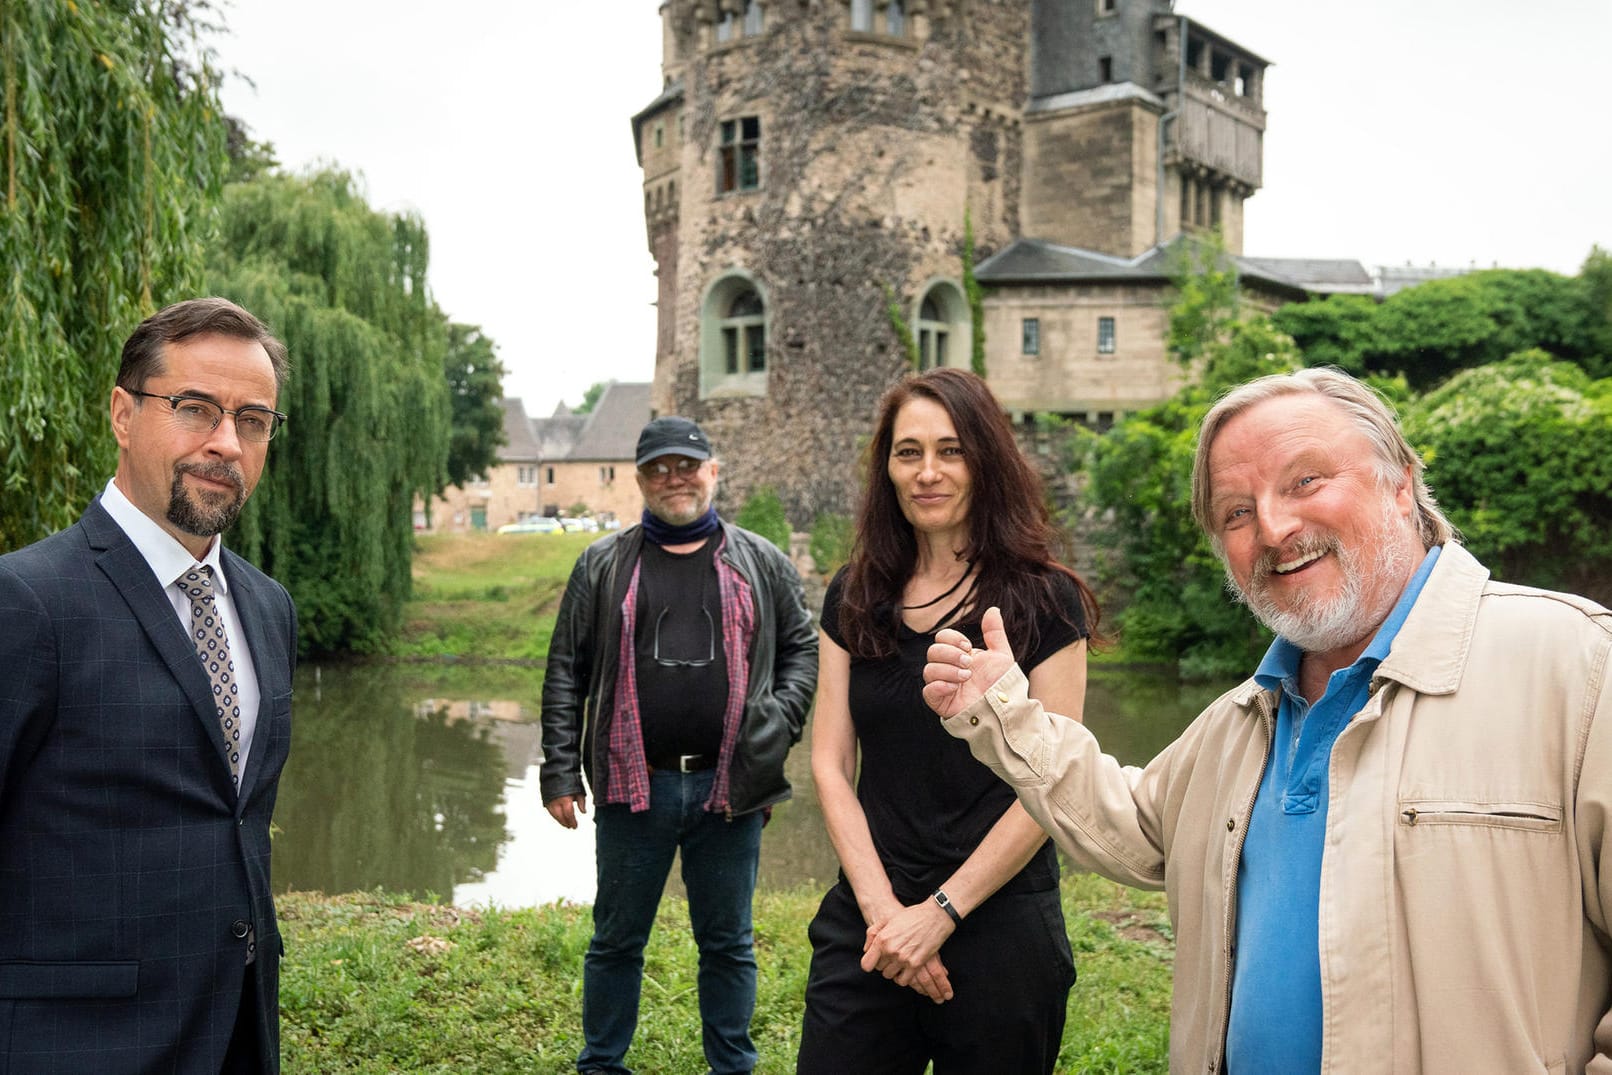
x=207, y=514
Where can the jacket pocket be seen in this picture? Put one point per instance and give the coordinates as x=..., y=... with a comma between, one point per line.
x=22, y=979
x=1486, y=813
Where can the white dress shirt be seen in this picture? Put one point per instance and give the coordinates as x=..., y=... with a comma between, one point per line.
x=169, y=561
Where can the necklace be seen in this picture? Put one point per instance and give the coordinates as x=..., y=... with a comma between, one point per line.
x=935, y=601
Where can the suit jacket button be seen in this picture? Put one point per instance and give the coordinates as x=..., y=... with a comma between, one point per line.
x=240, y=929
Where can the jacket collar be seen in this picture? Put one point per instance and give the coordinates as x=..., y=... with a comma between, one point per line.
x=1431, y=650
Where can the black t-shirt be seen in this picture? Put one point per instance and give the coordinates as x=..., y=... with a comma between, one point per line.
x=927, y=801
x=681, y=670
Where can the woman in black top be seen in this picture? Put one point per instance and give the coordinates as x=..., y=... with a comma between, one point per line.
x=944, y=939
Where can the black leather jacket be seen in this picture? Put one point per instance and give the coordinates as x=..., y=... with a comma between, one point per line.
x=580, y=687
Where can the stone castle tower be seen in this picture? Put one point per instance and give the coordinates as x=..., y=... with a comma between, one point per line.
x=811, y=166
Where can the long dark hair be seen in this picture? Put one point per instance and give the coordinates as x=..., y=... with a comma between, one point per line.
x=1010, y=540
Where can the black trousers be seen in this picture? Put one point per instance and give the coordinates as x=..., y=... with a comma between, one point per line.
x=1011, y=971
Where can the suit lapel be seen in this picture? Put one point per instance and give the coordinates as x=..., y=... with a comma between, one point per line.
x=129, y=573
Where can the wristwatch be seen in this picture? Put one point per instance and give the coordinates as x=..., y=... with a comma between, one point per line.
x=945, y=904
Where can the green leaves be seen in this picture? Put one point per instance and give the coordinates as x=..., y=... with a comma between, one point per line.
x=371, y=417
x=763, y=513
x=1438, y=328
x=111, y=160
x=1517, y=453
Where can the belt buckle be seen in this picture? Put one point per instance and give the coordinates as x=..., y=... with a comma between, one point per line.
x=684, y=760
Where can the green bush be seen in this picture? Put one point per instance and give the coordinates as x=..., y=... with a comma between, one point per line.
x=831, y=542
x=764, y=514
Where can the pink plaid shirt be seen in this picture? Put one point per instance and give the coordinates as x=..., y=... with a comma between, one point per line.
x=629, y=769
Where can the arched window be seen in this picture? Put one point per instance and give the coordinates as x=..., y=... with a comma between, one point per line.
x=862, y=15
x=733, y=337
x=943, y=327
x=744, y=334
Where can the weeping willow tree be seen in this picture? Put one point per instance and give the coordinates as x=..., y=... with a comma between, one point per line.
x=345, y=287
x=111, y=157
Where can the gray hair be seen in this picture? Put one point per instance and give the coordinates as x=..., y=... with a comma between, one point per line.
x=1372, y=415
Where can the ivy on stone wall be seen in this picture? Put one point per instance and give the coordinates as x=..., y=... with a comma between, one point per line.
x=898, y=325
x=976, y=298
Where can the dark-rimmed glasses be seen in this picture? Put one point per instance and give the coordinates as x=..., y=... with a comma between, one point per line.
x=194, y=414
x=669, y=662
x=660, y=470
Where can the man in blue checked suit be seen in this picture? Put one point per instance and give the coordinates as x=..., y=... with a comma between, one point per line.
x=145, y=714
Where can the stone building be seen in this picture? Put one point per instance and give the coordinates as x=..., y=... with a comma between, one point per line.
x=585, y=464
x=566, y=464
x=813, y=172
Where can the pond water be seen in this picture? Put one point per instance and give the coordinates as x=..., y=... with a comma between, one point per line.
x=399, y=779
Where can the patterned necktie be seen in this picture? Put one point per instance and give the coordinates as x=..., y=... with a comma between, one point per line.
x=212, y=646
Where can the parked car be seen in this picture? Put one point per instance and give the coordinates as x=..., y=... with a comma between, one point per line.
x=542, y=524
x=574, y=524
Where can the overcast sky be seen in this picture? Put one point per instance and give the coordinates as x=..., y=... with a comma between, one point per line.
x=1455, y=132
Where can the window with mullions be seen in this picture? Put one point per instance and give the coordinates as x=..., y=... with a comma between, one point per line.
x=739, y=155
x=733, y=337
x=731, y=25
x=934, y=332
x=893, y=21
x=744, y=335
x=1105, y=335
x=1032, y=335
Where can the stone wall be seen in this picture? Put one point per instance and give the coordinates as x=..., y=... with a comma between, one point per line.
x=602, y=488
x=1069, y=375
x=502, y=496
x=1090, y=173
x=871, y=151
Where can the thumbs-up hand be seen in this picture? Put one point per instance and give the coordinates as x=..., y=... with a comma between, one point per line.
x=957, y=674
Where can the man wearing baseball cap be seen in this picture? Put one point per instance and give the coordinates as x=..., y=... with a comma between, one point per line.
x=679, y=675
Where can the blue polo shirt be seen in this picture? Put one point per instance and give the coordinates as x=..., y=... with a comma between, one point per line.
x=1276, y=976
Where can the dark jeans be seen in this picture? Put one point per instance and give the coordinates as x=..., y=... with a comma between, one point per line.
x=634, y=854
x=1010, y=969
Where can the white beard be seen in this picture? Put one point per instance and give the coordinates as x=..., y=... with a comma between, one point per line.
x=1356, y=610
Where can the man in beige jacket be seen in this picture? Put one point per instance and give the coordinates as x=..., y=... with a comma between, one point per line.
x=1388, y=850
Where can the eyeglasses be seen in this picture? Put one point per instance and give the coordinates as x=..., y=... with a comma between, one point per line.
x=669, y=662
x=659, y=471
x=194, y=414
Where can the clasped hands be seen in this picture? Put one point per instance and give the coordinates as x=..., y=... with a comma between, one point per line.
x=904, y=945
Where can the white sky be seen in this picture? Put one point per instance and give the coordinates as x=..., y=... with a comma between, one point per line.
x=1455, y=132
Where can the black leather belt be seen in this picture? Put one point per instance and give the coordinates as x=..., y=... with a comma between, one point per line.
x=684, y=763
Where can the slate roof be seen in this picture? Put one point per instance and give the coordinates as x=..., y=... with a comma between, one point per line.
x=519, y=444
x=611, y=432
x=556, y=435
x=1036, y=261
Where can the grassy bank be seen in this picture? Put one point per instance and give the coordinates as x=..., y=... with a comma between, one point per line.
x=376, y=982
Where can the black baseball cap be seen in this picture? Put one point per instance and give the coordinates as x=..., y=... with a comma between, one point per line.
x=672, y=435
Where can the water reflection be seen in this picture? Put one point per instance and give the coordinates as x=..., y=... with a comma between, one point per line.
x=383, y=790
x=395, y=782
